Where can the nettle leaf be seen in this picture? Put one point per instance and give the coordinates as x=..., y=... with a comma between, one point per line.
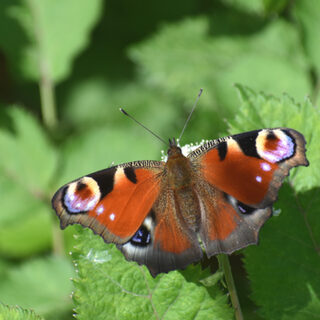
x=29, y=159
x=124, y=290
x=286, y=263
x=308, y=15
x=310, y=312
x=287, y=258
x=184, y=56
x=17, y=313
x=259, y=110
x=41, y=284
x=45, y=34
x=27, y=167
x=261, y=7
x=95, y=101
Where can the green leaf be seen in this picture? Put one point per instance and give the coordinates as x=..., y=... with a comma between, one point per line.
x=95, y=102
x=259, y=110
x=26, y=236
x=286, y=264
x=29, y=160
x=310, y=312
x=27, y=167
x=308, y=15
x=287, y=260
x=44, y=36
x=17, y=313
x=184, y=56
x=259, y=6
x=248, y=6
x=40, y=284
x=124, y=290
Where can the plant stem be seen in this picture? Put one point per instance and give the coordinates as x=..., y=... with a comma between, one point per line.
x=47, y=97
x=48, y=106
x=225, y=266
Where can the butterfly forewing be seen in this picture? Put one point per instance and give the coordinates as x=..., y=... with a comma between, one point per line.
x=112, y=202
x=251, y=166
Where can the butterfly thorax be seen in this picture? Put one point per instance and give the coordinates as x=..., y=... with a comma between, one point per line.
x=181, y=182
x=179, y=169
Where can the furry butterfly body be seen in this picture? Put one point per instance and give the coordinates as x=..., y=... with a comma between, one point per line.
x=156, y=212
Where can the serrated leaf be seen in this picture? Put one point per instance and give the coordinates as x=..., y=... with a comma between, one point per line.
x=45, y=35
x=17, y=313
x=184, y=56
x=40, y=284
x=310, y=312
x=287, y=259
x=258, y=110
x=124, y=290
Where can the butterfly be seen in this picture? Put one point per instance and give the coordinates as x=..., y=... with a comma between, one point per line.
x=163, y=214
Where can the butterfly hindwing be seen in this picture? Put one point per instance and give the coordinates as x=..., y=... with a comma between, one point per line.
x=170, y=244
x=113, y=202
x=226, y=224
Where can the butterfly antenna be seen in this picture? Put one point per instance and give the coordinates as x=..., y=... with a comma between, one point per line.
x=190, y=114
x=139, y=123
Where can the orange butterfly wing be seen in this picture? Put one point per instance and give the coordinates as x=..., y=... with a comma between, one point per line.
x=241, y=176
x=112, y=202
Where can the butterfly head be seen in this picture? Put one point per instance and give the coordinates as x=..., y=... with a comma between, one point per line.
x=174, y=150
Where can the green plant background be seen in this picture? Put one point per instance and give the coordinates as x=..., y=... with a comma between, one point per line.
x=65, y=69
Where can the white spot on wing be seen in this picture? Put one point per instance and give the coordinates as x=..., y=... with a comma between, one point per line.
x=100, y=209
x=258, y=178
x=112, y=216
x=265, y=166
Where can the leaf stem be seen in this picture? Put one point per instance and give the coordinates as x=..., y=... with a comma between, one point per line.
x=47, y=97
x=225, y=266
x=48, y=106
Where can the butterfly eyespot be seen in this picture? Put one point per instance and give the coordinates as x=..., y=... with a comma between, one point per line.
x=81, y=196
x=244, y=209
x=275, y=146
x=141, y=238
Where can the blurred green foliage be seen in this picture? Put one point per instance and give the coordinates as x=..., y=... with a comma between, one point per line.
x=65, y=69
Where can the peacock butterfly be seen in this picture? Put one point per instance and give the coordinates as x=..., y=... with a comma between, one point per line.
x=156, y=212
